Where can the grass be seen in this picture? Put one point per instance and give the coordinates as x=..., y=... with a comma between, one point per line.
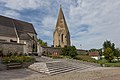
x=86, y=58
x=114, y=64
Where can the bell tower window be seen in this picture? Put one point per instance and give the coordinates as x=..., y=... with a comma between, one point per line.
x=62, y=36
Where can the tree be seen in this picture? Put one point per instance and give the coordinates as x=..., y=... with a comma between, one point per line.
x=72, y=51
x=117, y=53
x=109, y=50
x=109, y=54
x=69, y=51
x=65, y=51
x=42, y=43
x=108, y=44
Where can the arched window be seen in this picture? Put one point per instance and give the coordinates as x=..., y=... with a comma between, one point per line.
x=62, y=37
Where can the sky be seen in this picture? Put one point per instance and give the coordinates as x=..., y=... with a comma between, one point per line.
x=90, y=22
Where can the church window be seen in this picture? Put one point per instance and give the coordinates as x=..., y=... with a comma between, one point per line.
x=62, y=37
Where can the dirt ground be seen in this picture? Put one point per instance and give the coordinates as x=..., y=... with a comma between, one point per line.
x=98, y=73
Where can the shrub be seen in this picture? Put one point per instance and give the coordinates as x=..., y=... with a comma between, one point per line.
x=117, y=64
x=85, y=58
x=1, y=52
x=102, y=61
x=56, y=56
x=69, y=51
x=17, y=59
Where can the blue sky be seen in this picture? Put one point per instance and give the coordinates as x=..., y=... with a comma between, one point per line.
x=90, y=22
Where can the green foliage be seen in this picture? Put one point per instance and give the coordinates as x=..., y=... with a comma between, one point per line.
x=102, y=61
x=72, y=51
x=109, y=54
x=109, y=50
x=69, y=51
x=85, y=58
x=117, y=64
x=56, y=56
x=93, y=50
x=17, y=59
x=117, y=53
x=108, y=44
x=42, y=43
x=1, y=52
x=46, y=54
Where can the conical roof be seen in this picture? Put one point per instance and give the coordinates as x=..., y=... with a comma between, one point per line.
x=61, y=18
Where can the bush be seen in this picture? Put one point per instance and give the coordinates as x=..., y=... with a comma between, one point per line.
x=17, y=59
x=69, y=51
x=1, y=52
x=117, y=64
x=46, y=54
x=102, y=61
x=56, y=56
x=85, y=58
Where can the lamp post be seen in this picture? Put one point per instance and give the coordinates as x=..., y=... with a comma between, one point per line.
x=103, y=65
x=81, y=46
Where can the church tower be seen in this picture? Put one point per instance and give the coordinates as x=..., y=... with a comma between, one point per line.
x=61, y=34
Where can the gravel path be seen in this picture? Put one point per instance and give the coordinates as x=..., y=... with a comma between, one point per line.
x=98, y=73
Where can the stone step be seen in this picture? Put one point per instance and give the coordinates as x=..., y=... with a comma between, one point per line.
x=65, y=71
x=58, y=67
x=53, y=70
x=61, y=69
x=14, y=65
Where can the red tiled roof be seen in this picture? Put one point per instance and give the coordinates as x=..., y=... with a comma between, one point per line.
x=93, y=54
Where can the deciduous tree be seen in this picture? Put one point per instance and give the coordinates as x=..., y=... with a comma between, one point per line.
x=109, y=54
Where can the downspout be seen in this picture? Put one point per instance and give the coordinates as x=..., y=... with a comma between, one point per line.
x=16, y=32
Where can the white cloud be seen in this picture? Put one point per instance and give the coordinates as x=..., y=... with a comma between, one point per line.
x=47, y=26
x=11, y=13
x=49, y=22
x=100, y=16
x=26, y=4
x=103, y=20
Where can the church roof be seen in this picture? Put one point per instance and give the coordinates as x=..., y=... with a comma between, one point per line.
x=61, y=17
x=7, y=27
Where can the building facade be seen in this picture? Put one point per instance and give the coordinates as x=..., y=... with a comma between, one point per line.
x=61, y=35
x=20, y=32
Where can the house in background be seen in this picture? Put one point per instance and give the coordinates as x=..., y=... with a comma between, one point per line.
x=94, y=55
x=19, y=32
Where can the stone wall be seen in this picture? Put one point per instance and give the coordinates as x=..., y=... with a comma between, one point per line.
x=50, y=50
x=7, y=39
x=54, y=49
x=12, y=47
x=80, y=51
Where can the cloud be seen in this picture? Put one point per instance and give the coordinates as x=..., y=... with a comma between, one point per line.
x=26, y=4
x=102, y=19
x=46, y=29
x=90, y=22
x=49, y=22
x=11, y=13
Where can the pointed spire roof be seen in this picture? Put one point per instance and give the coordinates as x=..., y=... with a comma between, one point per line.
x=61, y=17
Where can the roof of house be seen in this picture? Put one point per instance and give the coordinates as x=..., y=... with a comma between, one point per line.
x=93, y=54
x=8, y=25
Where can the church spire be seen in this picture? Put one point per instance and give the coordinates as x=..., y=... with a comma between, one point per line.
x=60, y=6
x=61, y=34
x=61, y=18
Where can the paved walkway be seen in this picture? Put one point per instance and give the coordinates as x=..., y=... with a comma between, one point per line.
x=94, y=73
x=97, y=73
